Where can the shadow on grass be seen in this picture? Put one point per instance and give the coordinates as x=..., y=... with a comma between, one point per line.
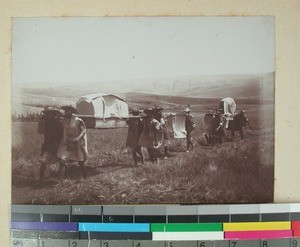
x=73, y=172
x=114, y=166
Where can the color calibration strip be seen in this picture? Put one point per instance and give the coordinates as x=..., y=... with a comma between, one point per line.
x=264, y=225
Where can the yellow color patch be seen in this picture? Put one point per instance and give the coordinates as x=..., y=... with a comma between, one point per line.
x=257, y=226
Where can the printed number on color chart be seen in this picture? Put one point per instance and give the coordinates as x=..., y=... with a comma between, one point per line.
x=74, y=244
x=170, y=244
x=294, y=243
x=233, y=244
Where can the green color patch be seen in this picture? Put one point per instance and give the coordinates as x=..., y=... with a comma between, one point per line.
x=187, y=227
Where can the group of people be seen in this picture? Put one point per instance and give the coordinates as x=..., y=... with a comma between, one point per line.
x=148, y=129
x=214, y=127
x=65, y=137
x=239, y=123
x=217, y=122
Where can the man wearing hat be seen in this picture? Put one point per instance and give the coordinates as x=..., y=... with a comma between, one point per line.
x=189, y=127
x=209, y=119
x=150, y=137
x=241, y=121
x=135, y=126
x=49, y=126
x=73, y=146
x=219, y=128
x=158, y=115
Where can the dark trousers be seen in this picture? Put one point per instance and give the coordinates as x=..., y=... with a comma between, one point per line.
x=189, y=142
x=42, y=171
x=137, y=151
x=166, y=150
x=209, y=138
x=152, y=154
x=62, y=169
x=241, y=133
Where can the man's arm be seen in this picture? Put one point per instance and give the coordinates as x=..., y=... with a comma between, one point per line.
x=82, y=132
x=248, y=124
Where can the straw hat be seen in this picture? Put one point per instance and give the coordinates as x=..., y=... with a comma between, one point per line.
x=187, y=109
x=69, y=108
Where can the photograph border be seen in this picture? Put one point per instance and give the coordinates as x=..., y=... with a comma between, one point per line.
x=195, y=61
x=287, y=25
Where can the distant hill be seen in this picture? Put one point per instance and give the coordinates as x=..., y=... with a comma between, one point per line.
x=241, y=86
x=169, y=100
x=259, y=87
x=193, y=90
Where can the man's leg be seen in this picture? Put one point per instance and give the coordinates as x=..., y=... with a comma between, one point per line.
x=140, y=153
x=191, y=143
x=155, y=155
x=232, y=134
x=150, y=151
x=45, y=160
x=242, y=133
x=207, y=139
x=187, y=142
x=134, y=155
x=220, y=139
x=62, y=169
x=211, y=139
x=42, y=171
x=166, y=150
x=82, y=168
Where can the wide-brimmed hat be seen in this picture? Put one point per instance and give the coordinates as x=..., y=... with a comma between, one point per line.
x=135, y=111
x=149, y=112
x=51, y=110
x=142, y=114
x=158, y=107
x=187, y=109
x=69, y=108
x=52, y=113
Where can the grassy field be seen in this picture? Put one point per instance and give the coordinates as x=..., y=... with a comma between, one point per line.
x=236, y=172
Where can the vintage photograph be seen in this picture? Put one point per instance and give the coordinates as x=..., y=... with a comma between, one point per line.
x=143, y=110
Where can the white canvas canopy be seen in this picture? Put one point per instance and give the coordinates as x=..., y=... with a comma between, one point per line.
x=176, y=125
x=102, y=105
x=102, y=110
x=229, y=106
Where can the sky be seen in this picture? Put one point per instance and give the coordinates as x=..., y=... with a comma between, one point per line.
x=59, y=51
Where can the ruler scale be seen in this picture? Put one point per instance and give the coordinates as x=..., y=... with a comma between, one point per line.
x=145, y=243
x=256, y=225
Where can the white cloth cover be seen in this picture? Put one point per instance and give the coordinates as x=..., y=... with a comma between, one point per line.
x=176, y=126
x=229, y=106
x=102, y=106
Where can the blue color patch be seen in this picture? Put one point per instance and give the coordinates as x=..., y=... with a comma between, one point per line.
x=113, y=227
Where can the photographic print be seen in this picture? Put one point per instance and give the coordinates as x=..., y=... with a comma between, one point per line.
x=143, y=110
